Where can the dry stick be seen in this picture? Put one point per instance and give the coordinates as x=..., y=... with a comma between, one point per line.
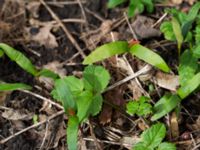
x=45, y=136
x=159, y=20
x=71, y=38
x=31, y=127
x=82, y=10
x=144, y=70
x=64, y=3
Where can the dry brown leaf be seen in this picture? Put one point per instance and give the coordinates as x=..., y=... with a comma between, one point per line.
x=33, y=8
x=167, y=81
x=45, y=37
x=142, y=27
x=12, y=114
x=176, y=2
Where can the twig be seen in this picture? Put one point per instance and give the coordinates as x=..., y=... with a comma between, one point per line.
x=64, y=3
x=144, y=70
x=132, y=31
x=159, y=20
x=31, y=127
x=45, y=136
x=82, y=10
x=43, y=98
x=196, y=147
x=68, y=34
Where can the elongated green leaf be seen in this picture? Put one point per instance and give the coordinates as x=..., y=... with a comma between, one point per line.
x=187, y=67
x=105, y=51
x=178, y=33
x=19, y=58
x=114, y=3
x=13, y=86
x=95, y=78
x=48, y=73
x=62, y=93
x=96, y=105
x=149, y=56
x=153, y=136
x=166, y=104
x=84, y=102
x=72, y=132
x=75, y=84
x=187, y=24
x=189, y=86
x=166, y=146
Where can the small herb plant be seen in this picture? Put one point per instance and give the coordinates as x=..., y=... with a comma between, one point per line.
x=140, y=107
x=81, y=98
x=135, y=6
x=151, y=139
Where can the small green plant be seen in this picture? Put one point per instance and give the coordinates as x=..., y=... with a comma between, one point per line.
x=151, y=139
x=81, y=98
x=135, y=6
x=140, y=107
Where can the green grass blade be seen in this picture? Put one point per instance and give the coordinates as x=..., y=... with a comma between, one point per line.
x=19, y=58
x=189, y=86
x=114, y=3
x=1, y=53
x=166, y=104
x=72, y=133
x=13, y=86
x=105, y=51
x=149, y=56
x=48, y=73
x=178, y=33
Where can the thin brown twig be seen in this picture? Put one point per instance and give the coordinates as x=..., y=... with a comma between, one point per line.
x=31, y=127
x=68, y=34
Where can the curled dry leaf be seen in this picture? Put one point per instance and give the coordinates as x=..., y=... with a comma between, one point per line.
x=45, y=37
x=167, y=81
x=174, y=128
x=142, y=27
x=12, y=114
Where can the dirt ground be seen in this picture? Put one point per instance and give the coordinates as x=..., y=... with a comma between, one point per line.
x=57, y=35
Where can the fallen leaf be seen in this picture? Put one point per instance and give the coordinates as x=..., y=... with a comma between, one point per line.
x=45, y=37
x=142, y=27
x=167, y=81
x=176, y=2
x=174, y=128
x=33, y=8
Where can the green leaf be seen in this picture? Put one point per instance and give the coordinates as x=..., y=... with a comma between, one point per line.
x=96, y=105
x=19, y=58
x=149, y=56
x=178, y=33
x=153, y=136
x=95, y=78
x=166, y=104
x=1, y=53
x=76, y=85
x=84, y=102
x=114, y=3
x=166, y=146
x=189, y=86
x=144, y=109
x=141, y=146
x=72, y=132
x=105, y=51
x=149, y=5
x=197, y=34
x=196, y=51
x=132, y=107
x=188, y=66
x=187, y=24
x=135, y=5
x=13, y=86
x=167, y=29
x=62, y=93
x=48, y=73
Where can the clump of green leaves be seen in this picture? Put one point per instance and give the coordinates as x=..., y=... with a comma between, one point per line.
x=81, y=98
x=151, y=139
x=135, y=6
x=140, y=107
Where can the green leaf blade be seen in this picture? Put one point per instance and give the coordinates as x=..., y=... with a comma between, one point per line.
x=166, y=104
x=114, y=3
x=166, y=146
x=149, y=56
x=14, y=86
x=72, y=133
x=19, y=58
x=105, y=51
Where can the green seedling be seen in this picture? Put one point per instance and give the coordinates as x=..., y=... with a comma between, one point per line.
x=151, y=139
x=135, y=6
x=140, y=107
x=81, y=98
